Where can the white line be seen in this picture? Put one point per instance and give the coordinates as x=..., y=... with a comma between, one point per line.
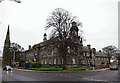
x=94, y=80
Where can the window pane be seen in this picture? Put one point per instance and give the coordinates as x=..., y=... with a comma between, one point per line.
x=73, y=60
x=49, y=61
x=54, y=61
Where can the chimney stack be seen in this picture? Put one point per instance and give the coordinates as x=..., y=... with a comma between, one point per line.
x=29, y=47
x=89, y=46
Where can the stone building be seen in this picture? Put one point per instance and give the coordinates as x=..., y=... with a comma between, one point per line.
x=21, y=56
x=101, y=59
x=48, y=54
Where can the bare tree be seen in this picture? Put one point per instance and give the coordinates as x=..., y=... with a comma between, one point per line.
x=60, y=21
x=110, y=51
x=14, y=50
x=17, y=47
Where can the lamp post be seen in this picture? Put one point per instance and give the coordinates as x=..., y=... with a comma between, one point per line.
x=93, y=57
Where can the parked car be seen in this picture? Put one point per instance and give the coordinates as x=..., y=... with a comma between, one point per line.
x=113, y=67
x=7, y=68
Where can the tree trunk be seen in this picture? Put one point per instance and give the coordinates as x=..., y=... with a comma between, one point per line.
x=63, y=52
x=64, y=62
x=109, y=60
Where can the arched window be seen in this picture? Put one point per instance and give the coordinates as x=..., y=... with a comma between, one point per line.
x=73, y=60
x=45, y=61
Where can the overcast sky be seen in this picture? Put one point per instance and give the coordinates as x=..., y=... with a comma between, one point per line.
x=28, y=19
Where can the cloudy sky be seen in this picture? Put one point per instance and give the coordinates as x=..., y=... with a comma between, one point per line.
x=27, y=20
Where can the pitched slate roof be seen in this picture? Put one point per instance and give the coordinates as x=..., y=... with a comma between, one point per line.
x=85, y=48
x=100, y=54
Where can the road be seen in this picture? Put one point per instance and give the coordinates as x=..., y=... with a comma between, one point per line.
x=107, y=75
x=103, y=76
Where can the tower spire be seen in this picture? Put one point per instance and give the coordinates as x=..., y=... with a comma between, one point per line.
x=8, y=36
x=6, y=50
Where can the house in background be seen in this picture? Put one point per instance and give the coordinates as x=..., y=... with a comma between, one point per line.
x=101, y=59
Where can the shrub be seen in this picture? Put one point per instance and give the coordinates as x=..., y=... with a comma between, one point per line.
x=35, y=64
x=29, y=64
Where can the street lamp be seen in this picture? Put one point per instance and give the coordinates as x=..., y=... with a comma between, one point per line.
x=93, y=57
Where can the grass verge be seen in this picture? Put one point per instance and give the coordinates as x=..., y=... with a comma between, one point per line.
x=45, y=68
x=53, y=69
x=77, y=68
x=21, y=67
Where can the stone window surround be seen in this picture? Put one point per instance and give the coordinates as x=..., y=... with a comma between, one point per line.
x=50, y=61
x=54, y=61
x=45, y=61
x=73, y=61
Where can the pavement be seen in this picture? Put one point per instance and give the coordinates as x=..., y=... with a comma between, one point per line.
x=100, y=69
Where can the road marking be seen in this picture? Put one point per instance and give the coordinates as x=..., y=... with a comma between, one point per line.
x=88, y=79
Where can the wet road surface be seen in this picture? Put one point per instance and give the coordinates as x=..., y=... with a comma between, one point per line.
x=101, y=76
